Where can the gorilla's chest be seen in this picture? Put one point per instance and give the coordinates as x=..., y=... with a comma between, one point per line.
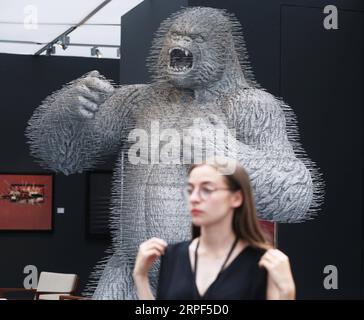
x=177, y=116
x=166, y=130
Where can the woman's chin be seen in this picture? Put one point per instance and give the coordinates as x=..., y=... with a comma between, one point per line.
x=197, y=221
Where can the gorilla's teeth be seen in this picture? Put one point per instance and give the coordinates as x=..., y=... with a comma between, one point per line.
x=179, y=68
x=186, y=53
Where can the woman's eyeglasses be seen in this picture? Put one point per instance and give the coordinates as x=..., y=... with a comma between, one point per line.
x=204, y=192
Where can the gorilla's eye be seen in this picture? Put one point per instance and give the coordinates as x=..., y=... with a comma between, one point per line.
x=198, y=38
x=175, y=36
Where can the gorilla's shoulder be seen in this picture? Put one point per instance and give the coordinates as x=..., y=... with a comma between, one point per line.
x=257, y=99
x=259, y=96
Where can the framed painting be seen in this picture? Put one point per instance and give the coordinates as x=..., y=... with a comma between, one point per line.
x=26, y=202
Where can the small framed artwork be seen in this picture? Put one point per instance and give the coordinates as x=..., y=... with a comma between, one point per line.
x=26, y=202
x=98, y=204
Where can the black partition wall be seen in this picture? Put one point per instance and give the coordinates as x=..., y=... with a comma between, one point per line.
x=321, y=75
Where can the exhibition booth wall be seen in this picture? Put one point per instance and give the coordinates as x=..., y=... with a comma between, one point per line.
x=318, y=72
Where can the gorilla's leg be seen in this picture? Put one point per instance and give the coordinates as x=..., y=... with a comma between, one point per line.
x=116, y=282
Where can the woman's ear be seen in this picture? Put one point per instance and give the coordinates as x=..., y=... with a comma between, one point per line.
x=237, y=199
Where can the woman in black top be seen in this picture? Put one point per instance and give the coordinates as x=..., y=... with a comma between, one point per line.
x=228, y=257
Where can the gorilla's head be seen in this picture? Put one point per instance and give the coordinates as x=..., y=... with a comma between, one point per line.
x=194, y=46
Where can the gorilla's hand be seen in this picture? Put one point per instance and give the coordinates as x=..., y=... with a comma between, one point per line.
x=90, y=92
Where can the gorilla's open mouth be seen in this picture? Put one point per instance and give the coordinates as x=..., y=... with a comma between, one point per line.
x=180, y=60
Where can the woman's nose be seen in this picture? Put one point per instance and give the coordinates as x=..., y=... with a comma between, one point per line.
x=195, y=195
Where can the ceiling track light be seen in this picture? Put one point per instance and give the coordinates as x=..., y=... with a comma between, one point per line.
x=73, y=28
x=95, y=51
x=63, y=42
x=51, y=50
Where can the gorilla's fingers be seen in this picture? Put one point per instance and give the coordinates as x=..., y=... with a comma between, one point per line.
x=88, y=94
x=85, y=113
x=95, y=84
x=87, y=104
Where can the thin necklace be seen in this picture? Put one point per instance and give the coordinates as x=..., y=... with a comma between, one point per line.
x=222, y=267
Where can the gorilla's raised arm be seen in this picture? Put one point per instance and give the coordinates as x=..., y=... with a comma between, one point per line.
x=76, y=126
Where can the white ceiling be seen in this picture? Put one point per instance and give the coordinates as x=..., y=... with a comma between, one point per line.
x=26, y=26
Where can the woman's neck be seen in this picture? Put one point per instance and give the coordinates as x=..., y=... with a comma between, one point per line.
x=216, y=238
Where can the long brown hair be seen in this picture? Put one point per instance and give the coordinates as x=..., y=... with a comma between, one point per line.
x=245, y=222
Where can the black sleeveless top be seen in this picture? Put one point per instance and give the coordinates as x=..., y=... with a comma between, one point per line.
x=241, y=279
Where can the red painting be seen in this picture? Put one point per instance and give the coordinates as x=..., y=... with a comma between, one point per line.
x=26, y=201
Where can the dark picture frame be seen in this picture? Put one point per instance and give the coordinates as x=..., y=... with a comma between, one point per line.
x=98, y=200
x=26, y=201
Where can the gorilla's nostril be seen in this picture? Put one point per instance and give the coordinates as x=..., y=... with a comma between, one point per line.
x=213, y=119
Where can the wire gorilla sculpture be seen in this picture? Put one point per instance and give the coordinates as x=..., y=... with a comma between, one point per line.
x=200, y=79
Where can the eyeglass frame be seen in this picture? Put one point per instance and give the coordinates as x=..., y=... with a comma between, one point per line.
x=210, y=192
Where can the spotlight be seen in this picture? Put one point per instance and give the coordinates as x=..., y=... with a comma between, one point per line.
x=96, y=52
x=63, y=42
x=50, y=50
